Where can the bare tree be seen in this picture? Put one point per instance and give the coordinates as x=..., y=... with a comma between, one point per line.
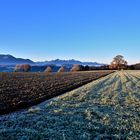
x=61, y=69
x=48, y=69
x=75, y=68
x=26, y=67
x=22, y=68
x=18, y=68
x=118, y=63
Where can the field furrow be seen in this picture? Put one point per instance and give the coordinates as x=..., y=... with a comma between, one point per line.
x=21, y=90
x=108, y=108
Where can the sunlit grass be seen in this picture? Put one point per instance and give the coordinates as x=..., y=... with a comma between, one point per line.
x=108, y=108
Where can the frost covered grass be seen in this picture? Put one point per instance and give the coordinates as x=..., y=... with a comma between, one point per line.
x=108, y=108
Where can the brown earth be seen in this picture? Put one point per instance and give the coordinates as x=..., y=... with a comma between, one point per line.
x=21, y=90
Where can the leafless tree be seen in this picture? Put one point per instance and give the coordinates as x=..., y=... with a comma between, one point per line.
x=118, y=63
x=18, y=67
x=22, y=68
x=26, y=67
x=75, y=68
x=61, y=69
x=48, y=69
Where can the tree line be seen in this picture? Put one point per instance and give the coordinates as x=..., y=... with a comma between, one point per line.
x=118, y=63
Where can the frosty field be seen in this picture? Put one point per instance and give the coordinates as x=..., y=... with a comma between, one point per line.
x=22, y=90
x=108, y=108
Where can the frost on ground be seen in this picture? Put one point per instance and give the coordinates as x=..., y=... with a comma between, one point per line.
x=108, y=108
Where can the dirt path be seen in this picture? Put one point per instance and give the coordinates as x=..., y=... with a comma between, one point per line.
x=108, y=108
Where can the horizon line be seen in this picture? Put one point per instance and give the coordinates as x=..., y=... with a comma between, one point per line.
x=44, y=60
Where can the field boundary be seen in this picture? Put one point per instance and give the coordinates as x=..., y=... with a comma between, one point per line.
x=43, y=98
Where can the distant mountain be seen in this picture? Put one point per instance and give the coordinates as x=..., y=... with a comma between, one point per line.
x=59, y=62
x=11, y=60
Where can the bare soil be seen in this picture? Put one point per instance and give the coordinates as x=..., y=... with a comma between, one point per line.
x=21, y=90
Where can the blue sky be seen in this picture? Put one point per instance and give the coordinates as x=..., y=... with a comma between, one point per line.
x=88, y=30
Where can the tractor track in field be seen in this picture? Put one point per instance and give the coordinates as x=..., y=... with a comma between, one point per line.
x=22, y=90
x=107, y=108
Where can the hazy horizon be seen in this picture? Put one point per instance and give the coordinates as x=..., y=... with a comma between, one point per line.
x=43, y=60
x=83, y=30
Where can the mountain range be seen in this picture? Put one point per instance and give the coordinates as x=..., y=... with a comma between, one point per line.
x=59, y=62
x=11, y=60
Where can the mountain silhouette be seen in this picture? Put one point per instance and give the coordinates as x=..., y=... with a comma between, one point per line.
x=11, y=60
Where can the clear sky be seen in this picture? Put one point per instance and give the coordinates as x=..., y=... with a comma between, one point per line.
x=88, y=30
